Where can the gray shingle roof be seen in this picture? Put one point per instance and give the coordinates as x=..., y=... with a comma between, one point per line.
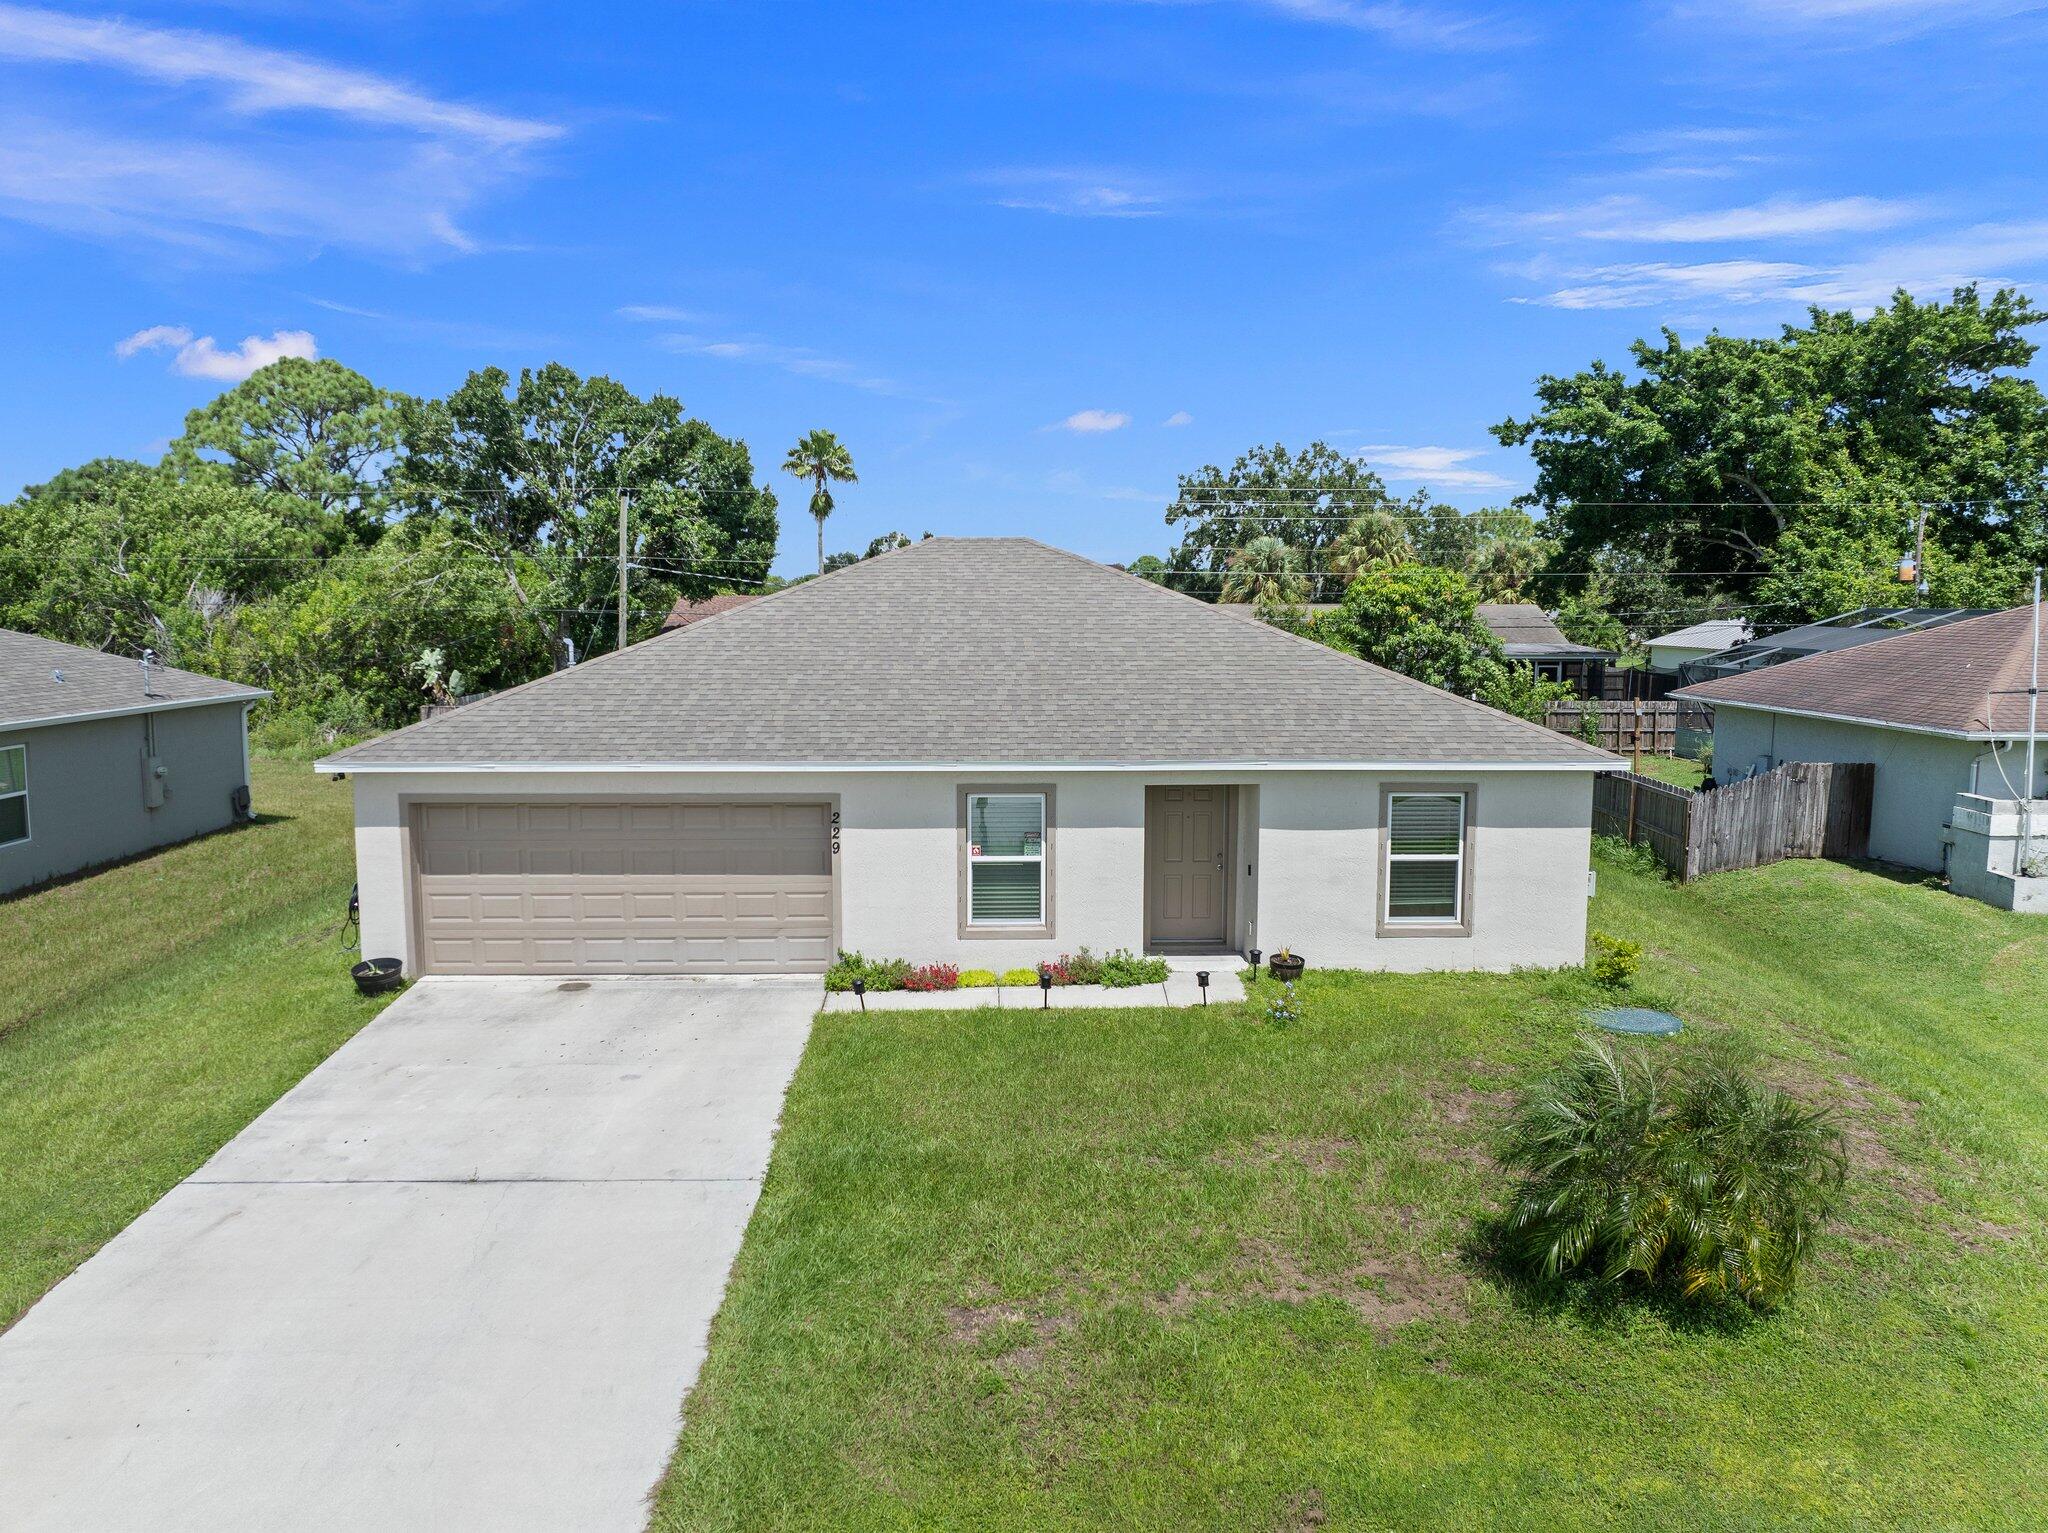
x=93, y=682
x=973, y=650
x=1526, y=632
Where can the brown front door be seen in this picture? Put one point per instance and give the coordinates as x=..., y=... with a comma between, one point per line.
x=1186, y=858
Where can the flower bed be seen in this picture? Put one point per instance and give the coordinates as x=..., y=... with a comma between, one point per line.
x=1118, y=970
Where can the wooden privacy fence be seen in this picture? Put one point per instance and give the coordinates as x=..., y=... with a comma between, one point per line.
x=1801, y=809
x=1618, y=726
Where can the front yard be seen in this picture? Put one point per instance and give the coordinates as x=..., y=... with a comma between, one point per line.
x=1176, y=1269
x=151, y=1010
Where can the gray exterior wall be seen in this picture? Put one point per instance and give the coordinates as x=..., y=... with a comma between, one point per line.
x=85, y=787
x=1918, y=775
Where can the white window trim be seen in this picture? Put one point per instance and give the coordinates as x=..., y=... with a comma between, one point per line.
x=28, y=825
x=1457, y=860
x=974, y=858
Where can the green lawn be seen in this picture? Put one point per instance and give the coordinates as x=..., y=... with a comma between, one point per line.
x=1679, y=771
x=1158, y=1269
x=149, y=1011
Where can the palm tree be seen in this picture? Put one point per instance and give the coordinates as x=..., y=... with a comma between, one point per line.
x=820, y=457
x=1372, y=540
x=1267, y=573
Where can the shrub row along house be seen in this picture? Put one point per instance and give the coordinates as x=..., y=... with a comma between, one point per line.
x=971, y=751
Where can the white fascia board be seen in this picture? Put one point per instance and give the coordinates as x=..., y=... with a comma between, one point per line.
x=155, y=705
x=1850, y=718
x=990, y=768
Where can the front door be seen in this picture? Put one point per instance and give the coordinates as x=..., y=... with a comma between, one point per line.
x=1186, y=860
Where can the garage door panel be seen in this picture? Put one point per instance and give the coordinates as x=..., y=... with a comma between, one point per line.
x=624, y=888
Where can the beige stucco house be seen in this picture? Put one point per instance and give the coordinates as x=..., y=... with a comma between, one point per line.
x=977, y=751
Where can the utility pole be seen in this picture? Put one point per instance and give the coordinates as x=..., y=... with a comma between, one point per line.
x=625, y=518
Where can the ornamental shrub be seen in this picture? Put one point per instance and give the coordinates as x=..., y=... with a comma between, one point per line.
x=1686, y=1174
x=1021, y=977
x=977, y=979
x=932, y=976
x=1614, y=961
x=1123, y=968
x=880, y=973
x=1082, y=968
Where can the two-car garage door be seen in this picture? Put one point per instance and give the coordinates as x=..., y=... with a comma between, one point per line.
x=647, y=887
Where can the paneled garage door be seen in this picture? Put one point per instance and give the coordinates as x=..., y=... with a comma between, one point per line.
x=623, y=888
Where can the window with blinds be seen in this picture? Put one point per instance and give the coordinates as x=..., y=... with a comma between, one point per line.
x=1006, y=859
x=1425, y=858
x=13, y=793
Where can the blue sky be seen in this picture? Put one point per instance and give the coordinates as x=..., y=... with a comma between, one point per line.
x=1029, y=260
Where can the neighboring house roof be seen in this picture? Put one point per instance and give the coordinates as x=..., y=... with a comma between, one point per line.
x=972, y=651
x=1845, y=630
x=1962, y=678
x=1526, y=632
x=45, y=682
x=1251, y=609
x=685, y=612
x=1715, y=633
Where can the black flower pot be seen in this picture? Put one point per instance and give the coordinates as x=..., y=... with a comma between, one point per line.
x=374, y=976
x=1286, y=968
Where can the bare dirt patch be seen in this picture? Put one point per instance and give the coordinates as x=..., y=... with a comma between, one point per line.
x=970, y=1325
x=1386, y=1292
x=1304, y=1512
x=1471, y=1116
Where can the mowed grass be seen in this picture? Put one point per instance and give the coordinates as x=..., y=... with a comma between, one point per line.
x=1178, y=1270
x=1679, y=771
x=149, y=1011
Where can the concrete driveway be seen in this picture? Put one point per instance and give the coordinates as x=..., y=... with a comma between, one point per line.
x=460, y=1277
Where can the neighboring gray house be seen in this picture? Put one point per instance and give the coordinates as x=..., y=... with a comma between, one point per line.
x=1668, y=651
x=1529, y=637
x=1941, y=711
x=975, y=751
x=99, y=761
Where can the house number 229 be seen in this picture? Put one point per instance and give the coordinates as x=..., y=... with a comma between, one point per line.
x=835, y=833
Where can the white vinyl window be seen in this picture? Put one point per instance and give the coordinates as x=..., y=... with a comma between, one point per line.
x=1006, y=859
x=1425, y=859
x=13, y=794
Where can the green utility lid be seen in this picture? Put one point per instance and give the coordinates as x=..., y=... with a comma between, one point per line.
x=1639, y=1020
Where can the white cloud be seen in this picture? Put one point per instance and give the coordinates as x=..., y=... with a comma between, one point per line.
x=352, y=158
x=254, y=80
x=1077, y=191
x=799, y=360
x=659, y=313
x=1089, y=422
x=1992, y=254
x=1415, y=26
x=204, y=358
x=1774, y=218
x=1440, y=466
x=1178, y=418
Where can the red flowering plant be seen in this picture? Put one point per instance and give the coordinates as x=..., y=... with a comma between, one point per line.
x=933, y=976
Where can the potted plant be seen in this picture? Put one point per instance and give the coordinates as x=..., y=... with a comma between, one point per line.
x=1285, y=965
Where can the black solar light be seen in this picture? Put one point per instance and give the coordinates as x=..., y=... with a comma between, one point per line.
x=1044, y=989
x=1255, y=958
x=1202, y=979
x=860, y=993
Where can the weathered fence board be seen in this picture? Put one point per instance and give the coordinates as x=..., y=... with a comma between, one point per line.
x=1618, y=726
x=1801, y=809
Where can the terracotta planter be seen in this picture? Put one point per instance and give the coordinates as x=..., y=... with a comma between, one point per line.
x=1286, y=968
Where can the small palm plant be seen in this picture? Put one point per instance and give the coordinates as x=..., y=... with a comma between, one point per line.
x=1692, y=1174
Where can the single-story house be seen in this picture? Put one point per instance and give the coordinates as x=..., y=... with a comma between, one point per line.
x=1941, y=711
x=104, y=756
x=1529, y=637
x=1668, y=651
x=687, y=611
x=979, y=751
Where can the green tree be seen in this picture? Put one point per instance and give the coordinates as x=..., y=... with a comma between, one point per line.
x=822, y=458
x=123, y=557
x=1266, y=572
x=313, y=430
x=529, y=477
x=1833, y=433
x=1420, y=621
x=1151, y=567
x=1370, y=540
x=1304, y=499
